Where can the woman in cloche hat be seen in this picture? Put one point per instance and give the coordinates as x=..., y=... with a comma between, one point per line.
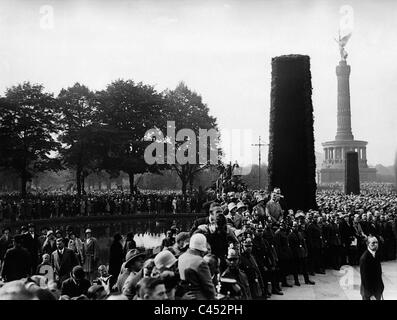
x=90, y=254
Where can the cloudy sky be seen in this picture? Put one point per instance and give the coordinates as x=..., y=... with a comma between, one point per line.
x=221, y=49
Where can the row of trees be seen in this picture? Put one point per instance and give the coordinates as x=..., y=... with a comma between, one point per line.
x=92, y=131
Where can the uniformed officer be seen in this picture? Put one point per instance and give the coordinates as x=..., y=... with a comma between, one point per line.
x=298, y=247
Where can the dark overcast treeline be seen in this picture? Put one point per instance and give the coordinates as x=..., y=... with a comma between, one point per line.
x=89, y=132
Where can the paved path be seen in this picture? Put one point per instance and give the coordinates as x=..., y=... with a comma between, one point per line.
x=340, y=285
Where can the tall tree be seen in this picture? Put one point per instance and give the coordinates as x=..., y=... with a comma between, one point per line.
x=76, y=106
x=126, y=111
x=28, y=125
x=188, y=111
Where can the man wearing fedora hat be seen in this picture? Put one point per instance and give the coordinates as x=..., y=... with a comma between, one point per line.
x=130, y=272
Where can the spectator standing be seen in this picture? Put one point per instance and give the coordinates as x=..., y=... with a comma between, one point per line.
x=194, y=271
x=17, y=261
x=63, y=261
x=116, y=257
x=76, y=245
x=90, y=255
x=371, y=272
x=49, y=245
x=32, y=244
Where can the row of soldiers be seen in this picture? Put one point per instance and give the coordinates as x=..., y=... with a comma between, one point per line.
x=272, y=244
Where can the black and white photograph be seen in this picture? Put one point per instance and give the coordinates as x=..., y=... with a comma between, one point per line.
x=216, y=151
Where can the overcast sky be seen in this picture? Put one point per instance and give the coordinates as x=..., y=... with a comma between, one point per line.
x=221, y=49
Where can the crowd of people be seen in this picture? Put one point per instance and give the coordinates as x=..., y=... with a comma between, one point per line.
x=249, y=246
x=53, y=205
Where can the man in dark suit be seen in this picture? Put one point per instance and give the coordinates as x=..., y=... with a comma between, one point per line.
x=347, y=236
x=63, y=261
x=371, y=271
x=297, y=243
x=315, y=240
x=17, y=261
x=32, y=244
x=76, y=285
x=214, y=211
x=335, y=242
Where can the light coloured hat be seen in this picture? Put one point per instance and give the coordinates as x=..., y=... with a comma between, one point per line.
x=198, y=241
x=241, y=205
x=232, y=254
x=231, y=206
x=88, y=230
x=238, y=232
x=164, y=259
x=300, y=214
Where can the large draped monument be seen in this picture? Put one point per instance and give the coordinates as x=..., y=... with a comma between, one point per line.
x=292, y=162
x=333, y=167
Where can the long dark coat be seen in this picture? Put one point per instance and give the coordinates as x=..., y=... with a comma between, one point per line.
x=297, y=244
x=116, y=258
x=282, y=245
x=17, y=264
x=371, y=275
x=250, y=267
